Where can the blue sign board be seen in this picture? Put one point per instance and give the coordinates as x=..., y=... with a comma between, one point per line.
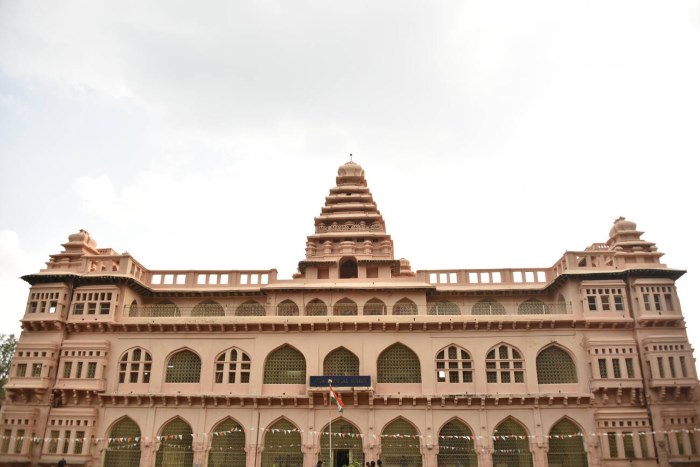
x=341, y=381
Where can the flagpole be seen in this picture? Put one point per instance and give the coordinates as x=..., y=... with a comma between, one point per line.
x=330, y=429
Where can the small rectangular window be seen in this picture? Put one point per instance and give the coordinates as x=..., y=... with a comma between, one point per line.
x=21, y=369
x=680, y=443
x=53, y=306
x=605, y=302
x=619, y=305
x=657, y=302
x=6, y=441
x=668, y=299
x=33, y=306
x=91, y=369
x=647, y=303
x=628, y=444
x=79, y=370
x=36, y=370
x=53, y=442
x=591, y=303
x=104, y=308
x=612, y=444
x=616, y=368
x=684, y=370
x=67, y=367
x=78, y=445
x=660, y=361
x=92, y=307
x=19, y=441
x=66, y=441
x=629, y=364
x=78, y=308
x=603, y=367
x=643, y=444
x=672, y=366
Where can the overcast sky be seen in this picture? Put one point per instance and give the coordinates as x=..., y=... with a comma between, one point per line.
x=207, y=134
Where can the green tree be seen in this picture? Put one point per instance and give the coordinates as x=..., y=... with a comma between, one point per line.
x=7, y=351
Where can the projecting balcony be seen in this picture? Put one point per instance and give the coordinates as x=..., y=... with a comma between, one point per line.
x=84, y=384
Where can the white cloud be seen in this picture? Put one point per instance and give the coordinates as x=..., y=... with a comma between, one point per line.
x=13, y=259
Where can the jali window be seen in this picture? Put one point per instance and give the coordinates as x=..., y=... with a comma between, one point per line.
x=555, y=366
x=285, y=365
x=341, y=362
x=183, y=367
x=398, y=364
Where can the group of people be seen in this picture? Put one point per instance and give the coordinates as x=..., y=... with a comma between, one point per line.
x=368, y=464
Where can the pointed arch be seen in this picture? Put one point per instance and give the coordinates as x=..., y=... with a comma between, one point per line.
x=401, y=444
x=445, y=307
x=504, y=364
x=348, y=268
x=555, y=366
x=398, y=364
x=453, y=364
x=511, y=444
x=119, y=453
x=282, y=444
x=164, y=308
x=285, y=365
x=287, y=308
x=566, y=445
x=175, y=449
x=560, y=306
x=533, y=306
x=456, y=444
x=232, y=366
x=488, y=306
x=341, y=362
x=227, y=445
x=405, y=306
x=346, y=436
x=374, y=307
x=316, y=307
x=135, y=366
x=134, y=308
x=184, y=366
x=208, y=308
x=345, y=307
x=250, y=308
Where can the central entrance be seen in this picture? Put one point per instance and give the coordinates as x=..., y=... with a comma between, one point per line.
x=342, y=457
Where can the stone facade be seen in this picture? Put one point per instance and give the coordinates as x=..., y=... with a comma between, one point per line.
x=583, y=363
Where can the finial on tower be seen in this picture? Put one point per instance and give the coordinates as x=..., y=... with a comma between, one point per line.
x=350, y=157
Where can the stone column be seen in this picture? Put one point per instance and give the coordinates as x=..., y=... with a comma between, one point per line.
x=148, y=453
x=539, y=454
x=200, y=449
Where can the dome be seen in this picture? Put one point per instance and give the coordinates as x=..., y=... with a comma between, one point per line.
x=350, y=169
x=82, y=237
x=621, y=224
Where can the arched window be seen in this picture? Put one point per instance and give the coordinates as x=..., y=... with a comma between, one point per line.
x=134, y=309
x=208, y=308
x=135, y=366
x=566, y=445
x=227, y=445
x=401, y=444
x=561, y=307
x=176, y=447
x=346, y=437
x=183, y=367
x=445, y=308
x=404, y=307
x=164, y=308
x=232, y=366
x=374, y=307
x=282, y=445
x=287, y=308
x=250, y=308
x=398, y=364
x=511, y=445
x=488, y=307
x=122, y=450
x=286, y=365
x=555, y=366
x=453, y=365
x=456, y=445
x=348, y=268
x=345, y=307
x=533, y=307
x=316, y=308
x=504, y=364
x=341, y=362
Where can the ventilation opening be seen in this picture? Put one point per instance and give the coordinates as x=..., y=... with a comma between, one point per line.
x=348, y=268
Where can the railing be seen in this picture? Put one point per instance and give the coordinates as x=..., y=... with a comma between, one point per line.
x=486, y=276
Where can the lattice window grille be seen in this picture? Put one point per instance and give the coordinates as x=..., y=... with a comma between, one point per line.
x=282, y=445
x=504, y=365
x=456, y=445
x=165, y=308
x=208, y=308
x=401, y=445
x=175, y=450
x=119, y=453
x=285, y=366
x=232, y=366
x=228, y=448
x=555, y=366
x=316, y=308
x=398, y=364
x=345, y=436
x=533, y=307
x=183, y=367
x=445, y=308
x=454, y=365
x=345, y=307
x=374, y=307
x=511, y=446
x=250, y=308
x=404, y=307
x=566, y=446
x=341, y=362
x=135, y=369
x=488, y=307
x=287, y=308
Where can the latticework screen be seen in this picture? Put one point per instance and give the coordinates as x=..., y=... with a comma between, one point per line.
x=533, y=307
x=488, y=307
x=227, y=445
x=504, y=365
x=374, y=307
x=183, y=367
x=164, y=309
x=566, y=447
x=121, y=453
x=511, y=447
x=175, y=448
x=135, y=367
x=404, y=307
x=398, y=364
x=400, y=445
x=345, y=437
x=456, y=446
x=316, y=308
x=345, y=307
x=285, y=366
x=555, y=366
x=341, y=362
x=445, y=308
x=232, y=366
x=454, y=365
x=287, y=308
x=282, y=446
x=250, y=308
x=208, y=308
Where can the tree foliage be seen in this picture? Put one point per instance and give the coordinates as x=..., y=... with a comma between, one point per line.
x=7, y=351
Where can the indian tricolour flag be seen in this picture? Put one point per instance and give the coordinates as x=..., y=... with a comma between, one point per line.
x=338, y=401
